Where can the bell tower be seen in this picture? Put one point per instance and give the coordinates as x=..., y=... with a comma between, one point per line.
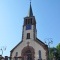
x=29, y=26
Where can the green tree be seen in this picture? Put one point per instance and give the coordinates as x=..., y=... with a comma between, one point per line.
x=54, y=51
x=58, y=51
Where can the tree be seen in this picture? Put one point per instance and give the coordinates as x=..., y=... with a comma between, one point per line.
x=54, y=51
x=58, y=51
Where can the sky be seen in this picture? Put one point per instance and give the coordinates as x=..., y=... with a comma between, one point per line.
x=12, y=13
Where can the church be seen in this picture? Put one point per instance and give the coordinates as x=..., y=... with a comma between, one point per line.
x=30, y=47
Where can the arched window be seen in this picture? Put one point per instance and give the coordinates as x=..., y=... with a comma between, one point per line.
x=28, y=35
x=39, y=54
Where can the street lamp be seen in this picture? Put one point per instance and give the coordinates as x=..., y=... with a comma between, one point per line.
x=2, y=49
x=48, y=43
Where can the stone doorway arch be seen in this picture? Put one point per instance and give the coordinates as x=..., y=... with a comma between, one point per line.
x=28, y=53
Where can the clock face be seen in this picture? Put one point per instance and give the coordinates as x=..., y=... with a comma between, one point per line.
x=28, y=27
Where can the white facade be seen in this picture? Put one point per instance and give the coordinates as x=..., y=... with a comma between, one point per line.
x=30, y=48
x=29, y=31
x=36, y=47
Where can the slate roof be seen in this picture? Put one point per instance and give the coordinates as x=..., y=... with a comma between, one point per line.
x=30, y=13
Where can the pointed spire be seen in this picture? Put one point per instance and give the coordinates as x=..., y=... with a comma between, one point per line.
x=30, y=13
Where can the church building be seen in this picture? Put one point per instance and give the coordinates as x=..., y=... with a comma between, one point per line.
x=30, y=47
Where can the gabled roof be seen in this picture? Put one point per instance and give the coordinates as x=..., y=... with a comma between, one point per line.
x=16, y=46
x=41, y=43
x=37, y=40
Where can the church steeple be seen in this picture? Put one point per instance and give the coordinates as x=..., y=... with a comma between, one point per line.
x=30, y=13
x=29, y=26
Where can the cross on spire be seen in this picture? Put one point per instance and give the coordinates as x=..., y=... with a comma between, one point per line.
x=30, y=1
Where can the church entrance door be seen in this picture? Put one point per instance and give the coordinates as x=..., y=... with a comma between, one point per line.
x=28, y=53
